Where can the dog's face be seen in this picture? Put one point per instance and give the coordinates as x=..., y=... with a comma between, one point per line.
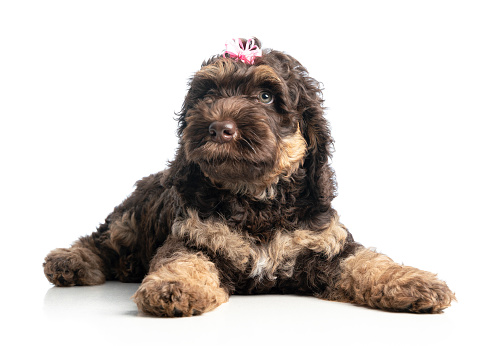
x=252, y=124
x=238, y=128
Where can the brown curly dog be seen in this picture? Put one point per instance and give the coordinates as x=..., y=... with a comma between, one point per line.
x=245, y=206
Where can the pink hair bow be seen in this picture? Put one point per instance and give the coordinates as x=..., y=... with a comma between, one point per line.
x=247, y=54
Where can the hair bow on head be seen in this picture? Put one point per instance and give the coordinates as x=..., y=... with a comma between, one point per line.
x=247, y=54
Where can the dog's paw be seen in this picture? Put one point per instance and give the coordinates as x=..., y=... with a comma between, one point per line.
x=373, y=279
x=414, y=291
x=70, y=267
x=177, y=299
x=423, y=294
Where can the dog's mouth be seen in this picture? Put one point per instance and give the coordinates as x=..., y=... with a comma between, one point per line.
x=238, y=160
x=241, y=149
x=232, y=171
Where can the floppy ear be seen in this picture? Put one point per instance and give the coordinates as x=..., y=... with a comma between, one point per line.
x=306, y=100
x=322, y=177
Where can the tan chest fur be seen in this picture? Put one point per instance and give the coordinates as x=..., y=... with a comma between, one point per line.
x=270, y=260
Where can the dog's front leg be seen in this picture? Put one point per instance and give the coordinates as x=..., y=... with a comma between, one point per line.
x=373, y=279
x=180, y=282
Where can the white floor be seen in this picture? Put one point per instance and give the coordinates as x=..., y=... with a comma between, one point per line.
x=105, y=314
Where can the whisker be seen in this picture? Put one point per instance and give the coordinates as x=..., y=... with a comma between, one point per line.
x=252, y=132
x=249, y=144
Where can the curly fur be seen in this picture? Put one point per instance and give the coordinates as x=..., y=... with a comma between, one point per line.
x=250, y=215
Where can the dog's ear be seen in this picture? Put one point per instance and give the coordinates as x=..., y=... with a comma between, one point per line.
x=315, y=130
x=305, y=98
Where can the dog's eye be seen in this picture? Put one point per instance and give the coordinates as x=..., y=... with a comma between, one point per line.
x=265, y=97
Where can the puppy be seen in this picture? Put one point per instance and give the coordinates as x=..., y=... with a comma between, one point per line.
x=245, y=206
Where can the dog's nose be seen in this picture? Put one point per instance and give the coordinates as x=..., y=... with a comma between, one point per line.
x=222, y=131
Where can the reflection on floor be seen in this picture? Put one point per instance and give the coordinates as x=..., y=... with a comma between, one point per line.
x=112, y=298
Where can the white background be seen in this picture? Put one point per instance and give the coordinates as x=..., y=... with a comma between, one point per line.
x=88, y=94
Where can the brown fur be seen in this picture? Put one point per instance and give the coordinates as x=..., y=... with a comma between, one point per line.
x=260, y=260
x=373, y=279
x=180, y=284
x=249, y=215
x=74, y=266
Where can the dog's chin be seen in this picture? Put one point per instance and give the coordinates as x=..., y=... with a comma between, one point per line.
x=232, y=171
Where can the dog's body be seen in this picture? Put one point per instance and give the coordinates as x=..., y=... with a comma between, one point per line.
x=245, y=207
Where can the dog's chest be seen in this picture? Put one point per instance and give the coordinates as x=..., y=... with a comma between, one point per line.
x=246, y=256
x=274, y=259
x=260, y=266
x=260, y=219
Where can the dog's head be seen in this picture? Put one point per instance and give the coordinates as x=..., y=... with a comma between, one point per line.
x=249, y=125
